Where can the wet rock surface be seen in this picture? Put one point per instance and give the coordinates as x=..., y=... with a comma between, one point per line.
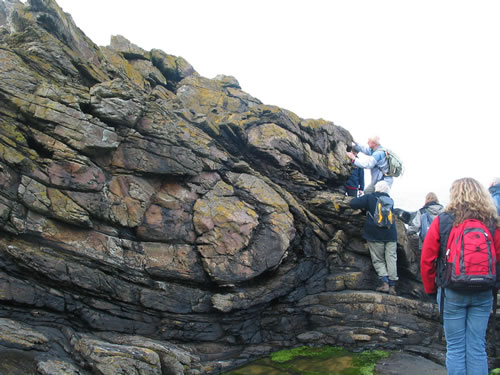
x=154, y=221
x=408, y=364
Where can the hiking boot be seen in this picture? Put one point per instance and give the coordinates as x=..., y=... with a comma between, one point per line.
x=384, y=288
x=392, y=290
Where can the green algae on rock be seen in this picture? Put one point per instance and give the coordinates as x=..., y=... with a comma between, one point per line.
x=314, y=361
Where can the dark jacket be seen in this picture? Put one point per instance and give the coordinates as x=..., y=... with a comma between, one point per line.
x=495, y=193
x=371, y=232
x=357, y=179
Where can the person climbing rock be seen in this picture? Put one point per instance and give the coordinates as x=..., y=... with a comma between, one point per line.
x=380, y=233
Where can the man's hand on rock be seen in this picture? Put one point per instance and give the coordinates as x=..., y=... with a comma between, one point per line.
x=351, y=155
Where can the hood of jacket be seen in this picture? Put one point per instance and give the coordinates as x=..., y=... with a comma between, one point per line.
x=434, y=208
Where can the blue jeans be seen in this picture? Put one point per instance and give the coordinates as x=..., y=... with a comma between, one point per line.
x=466, y=317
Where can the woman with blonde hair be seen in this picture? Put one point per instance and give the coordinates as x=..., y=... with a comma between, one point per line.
x=465, y=312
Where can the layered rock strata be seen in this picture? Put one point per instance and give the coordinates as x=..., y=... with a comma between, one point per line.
x=153, y=221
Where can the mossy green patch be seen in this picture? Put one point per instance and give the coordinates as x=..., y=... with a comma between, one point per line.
x=305, y=351
x=305, y=360
x=366, y=360
x=314, y=124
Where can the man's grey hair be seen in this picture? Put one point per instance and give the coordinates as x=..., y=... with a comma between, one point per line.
x=382, y=187
x=375, y=138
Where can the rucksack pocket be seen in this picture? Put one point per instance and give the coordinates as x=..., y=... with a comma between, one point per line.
x=471, y=263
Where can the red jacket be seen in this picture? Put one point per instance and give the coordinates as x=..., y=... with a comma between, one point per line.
x=430, y=251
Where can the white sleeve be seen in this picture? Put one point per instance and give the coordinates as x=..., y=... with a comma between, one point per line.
x=414, y=227
x=367, y=162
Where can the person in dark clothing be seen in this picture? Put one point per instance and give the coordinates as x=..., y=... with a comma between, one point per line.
x=382, y=242
x=405, y=216
x=356, y=182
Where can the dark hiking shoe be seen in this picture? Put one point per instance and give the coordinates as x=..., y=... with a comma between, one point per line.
x=384, y=288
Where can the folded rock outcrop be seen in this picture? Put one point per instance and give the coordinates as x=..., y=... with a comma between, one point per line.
x=153, y=221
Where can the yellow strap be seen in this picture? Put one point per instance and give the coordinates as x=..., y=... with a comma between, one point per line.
x=380, y=217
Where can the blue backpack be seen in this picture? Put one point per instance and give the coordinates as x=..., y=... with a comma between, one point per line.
x=496, y=199
x=425, y=223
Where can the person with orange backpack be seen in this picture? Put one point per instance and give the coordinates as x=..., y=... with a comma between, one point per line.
x=459, y=262
x=380, y=234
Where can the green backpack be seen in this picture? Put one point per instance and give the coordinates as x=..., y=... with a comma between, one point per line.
x=395, y=164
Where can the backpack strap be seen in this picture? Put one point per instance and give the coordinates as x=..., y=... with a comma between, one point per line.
x=384, y=151
x=368, y=212
x=446, y=220
x=492, y=230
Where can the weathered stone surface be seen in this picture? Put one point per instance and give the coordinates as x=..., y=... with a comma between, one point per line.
x=166, y=261
x=127, y=49
x=170, y=217
x=121, y=67
x=54, y=367
x=402, y=363
x=51, y=203
x=143, y=206
x=111, y=359
x=174, y=359
x=128, y=197
x=172, y=67
x=17, y=335
x=117, y=102
x=149, y=72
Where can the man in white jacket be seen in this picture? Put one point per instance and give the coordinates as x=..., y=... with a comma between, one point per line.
x=376, y=161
